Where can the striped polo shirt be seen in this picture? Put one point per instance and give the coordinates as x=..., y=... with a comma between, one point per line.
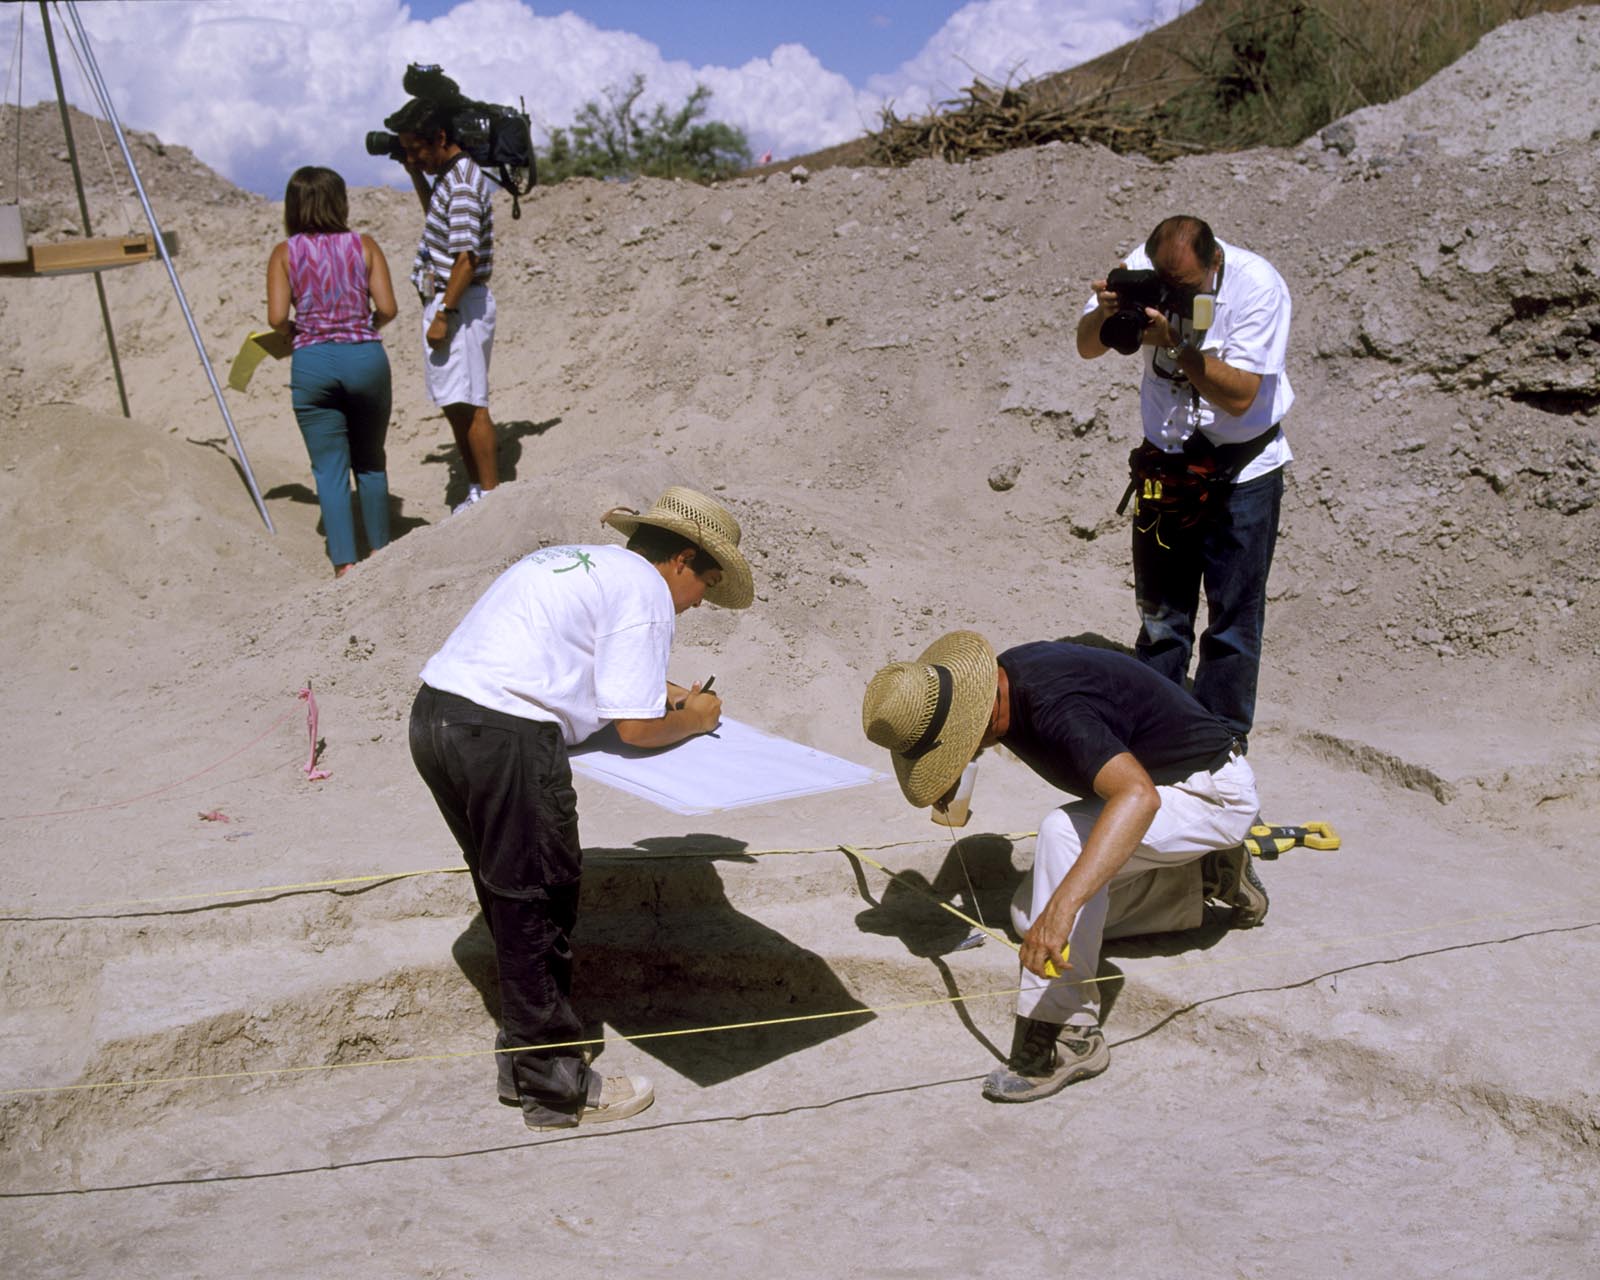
x=460, y=220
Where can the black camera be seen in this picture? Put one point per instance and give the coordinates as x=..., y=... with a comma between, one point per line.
x=1135, y=290
x=499, y=139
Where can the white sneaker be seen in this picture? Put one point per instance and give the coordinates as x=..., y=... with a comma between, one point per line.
x=620, y=1097
x=474, y=494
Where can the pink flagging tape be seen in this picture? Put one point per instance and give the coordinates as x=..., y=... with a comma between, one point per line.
x=313, y=774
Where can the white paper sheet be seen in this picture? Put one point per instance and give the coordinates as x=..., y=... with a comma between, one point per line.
x=736, y=767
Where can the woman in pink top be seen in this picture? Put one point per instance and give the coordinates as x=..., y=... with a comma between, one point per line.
x=338, y=283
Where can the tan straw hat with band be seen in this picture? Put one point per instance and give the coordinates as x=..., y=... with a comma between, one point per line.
x=708, y=525
x=932, y=713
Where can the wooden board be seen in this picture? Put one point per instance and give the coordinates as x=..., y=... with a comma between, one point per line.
x=95, y=254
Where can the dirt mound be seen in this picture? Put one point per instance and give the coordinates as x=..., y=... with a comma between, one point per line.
x=1527, y=86
x=41, y=177
x=876, y=371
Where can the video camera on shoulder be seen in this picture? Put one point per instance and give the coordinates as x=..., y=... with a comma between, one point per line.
x=499, y=139
x=1136, y=290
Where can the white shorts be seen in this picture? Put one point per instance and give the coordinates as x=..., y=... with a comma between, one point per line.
x=458, y=373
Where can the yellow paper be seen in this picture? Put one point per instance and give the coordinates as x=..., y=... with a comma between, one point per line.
x=256, y=348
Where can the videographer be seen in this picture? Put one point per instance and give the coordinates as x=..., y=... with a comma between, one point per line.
x=451, y=273
x=1212, y=320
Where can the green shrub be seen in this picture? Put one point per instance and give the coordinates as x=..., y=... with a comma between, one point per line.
x=612, y=139
x=1279, y=70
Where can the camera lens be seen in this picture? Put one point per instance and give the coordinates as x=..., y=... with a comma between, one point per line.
x=1122, y=330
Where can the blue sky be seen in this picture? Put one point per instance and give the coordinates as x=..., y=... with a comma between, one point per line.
x=858, y=40
x=258, y=87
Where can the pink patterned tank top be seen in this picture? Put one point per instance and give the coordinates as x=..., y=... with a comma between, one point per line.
x=328, y=281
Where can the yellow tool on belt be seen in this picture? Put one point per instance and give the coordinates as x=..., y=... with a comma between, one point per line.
x=1268, y=842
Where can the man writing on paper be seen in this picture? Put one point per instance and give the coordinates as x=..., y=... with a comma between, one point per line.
x=563, y=642
x=1162, y=785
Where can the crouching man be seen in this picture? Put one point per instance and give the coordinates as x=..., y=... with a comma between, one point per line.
x=563, y=642
x=1166, y=799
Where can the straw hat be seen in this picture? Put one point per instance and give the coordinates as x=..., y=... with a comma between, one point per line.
x=707, y=524
x=932, y=713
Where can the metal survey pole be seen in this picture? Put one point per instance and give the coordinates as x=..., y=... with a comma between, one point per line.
x=83, y=203
x=104, y=96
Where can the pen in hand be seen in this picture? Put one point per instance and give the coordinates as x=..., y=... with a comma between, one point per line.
x=704, y=688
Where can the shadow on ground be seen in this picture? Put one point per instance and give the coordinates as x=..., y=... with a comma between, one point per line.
x=400, y=524
x=659, y=948
x=509, y=436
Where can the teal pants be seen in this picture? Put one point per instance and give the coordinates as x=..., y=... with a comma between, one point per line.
x=341, y=400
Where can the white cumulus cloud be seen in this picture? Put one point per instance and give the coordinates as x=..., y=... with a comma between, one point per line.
x=1015, y=40
x=258, y=87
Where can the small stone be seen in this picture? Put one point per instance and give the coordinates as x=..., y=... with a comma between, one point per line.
x=799, y=174
x=1005, y=476
x=1340, y=136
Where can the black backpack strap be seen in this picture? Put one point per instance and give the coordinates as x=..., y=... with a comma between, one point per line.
x=1234, y=458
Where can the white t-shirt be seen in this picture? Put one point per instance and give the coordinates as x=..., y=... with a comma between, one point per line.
x=1250, y=331
x=577, y=636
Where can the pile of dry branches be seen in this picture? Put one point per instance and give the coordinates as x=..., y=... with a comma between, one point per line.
x=988, y=119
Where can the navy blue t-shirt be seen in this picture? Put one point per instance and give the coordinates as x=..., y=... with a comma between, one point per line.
x=1074, y=707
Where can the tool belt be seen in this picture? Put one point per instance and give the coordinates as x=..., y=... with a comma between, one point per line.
x=1185, y=489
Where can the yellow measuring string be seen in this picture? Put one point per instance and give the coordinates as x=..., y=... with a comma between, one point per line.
x=1050, y=969
x=275, y=888
x=480, y=1053
x=459, y=869
x=855, y=852
x=1206, y=962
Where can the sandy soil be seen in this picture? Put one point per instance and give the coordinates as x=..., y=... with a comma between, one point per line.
x=875, y=370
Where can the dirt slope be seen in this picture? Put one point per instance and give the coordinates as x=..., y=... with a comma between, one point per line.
x=876, y=371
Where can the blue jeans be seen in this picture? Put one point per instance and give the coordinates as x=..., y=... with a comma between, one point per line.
x=341, y=397
x=1230, y=555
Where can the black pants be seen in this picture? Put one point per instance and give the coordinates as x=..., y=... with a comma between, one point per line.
x=504, y=787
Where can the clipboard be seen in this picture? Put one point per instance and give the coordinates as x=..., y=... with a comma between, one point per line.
x=736, y=766
x=256, y=348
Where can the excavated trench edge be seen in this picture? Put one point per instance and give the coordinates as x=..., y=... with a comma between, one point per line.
x=742, y=970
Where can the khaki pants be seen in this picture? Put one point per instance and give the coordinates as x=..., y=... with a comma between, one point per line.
x=1157, y=890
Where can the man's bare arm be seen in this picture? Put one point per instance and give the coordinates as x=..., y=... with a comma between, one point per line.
x=1089, y=344
x=696, y=713
x=1218, y=382
x=460, y=280
x=1131, y=805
